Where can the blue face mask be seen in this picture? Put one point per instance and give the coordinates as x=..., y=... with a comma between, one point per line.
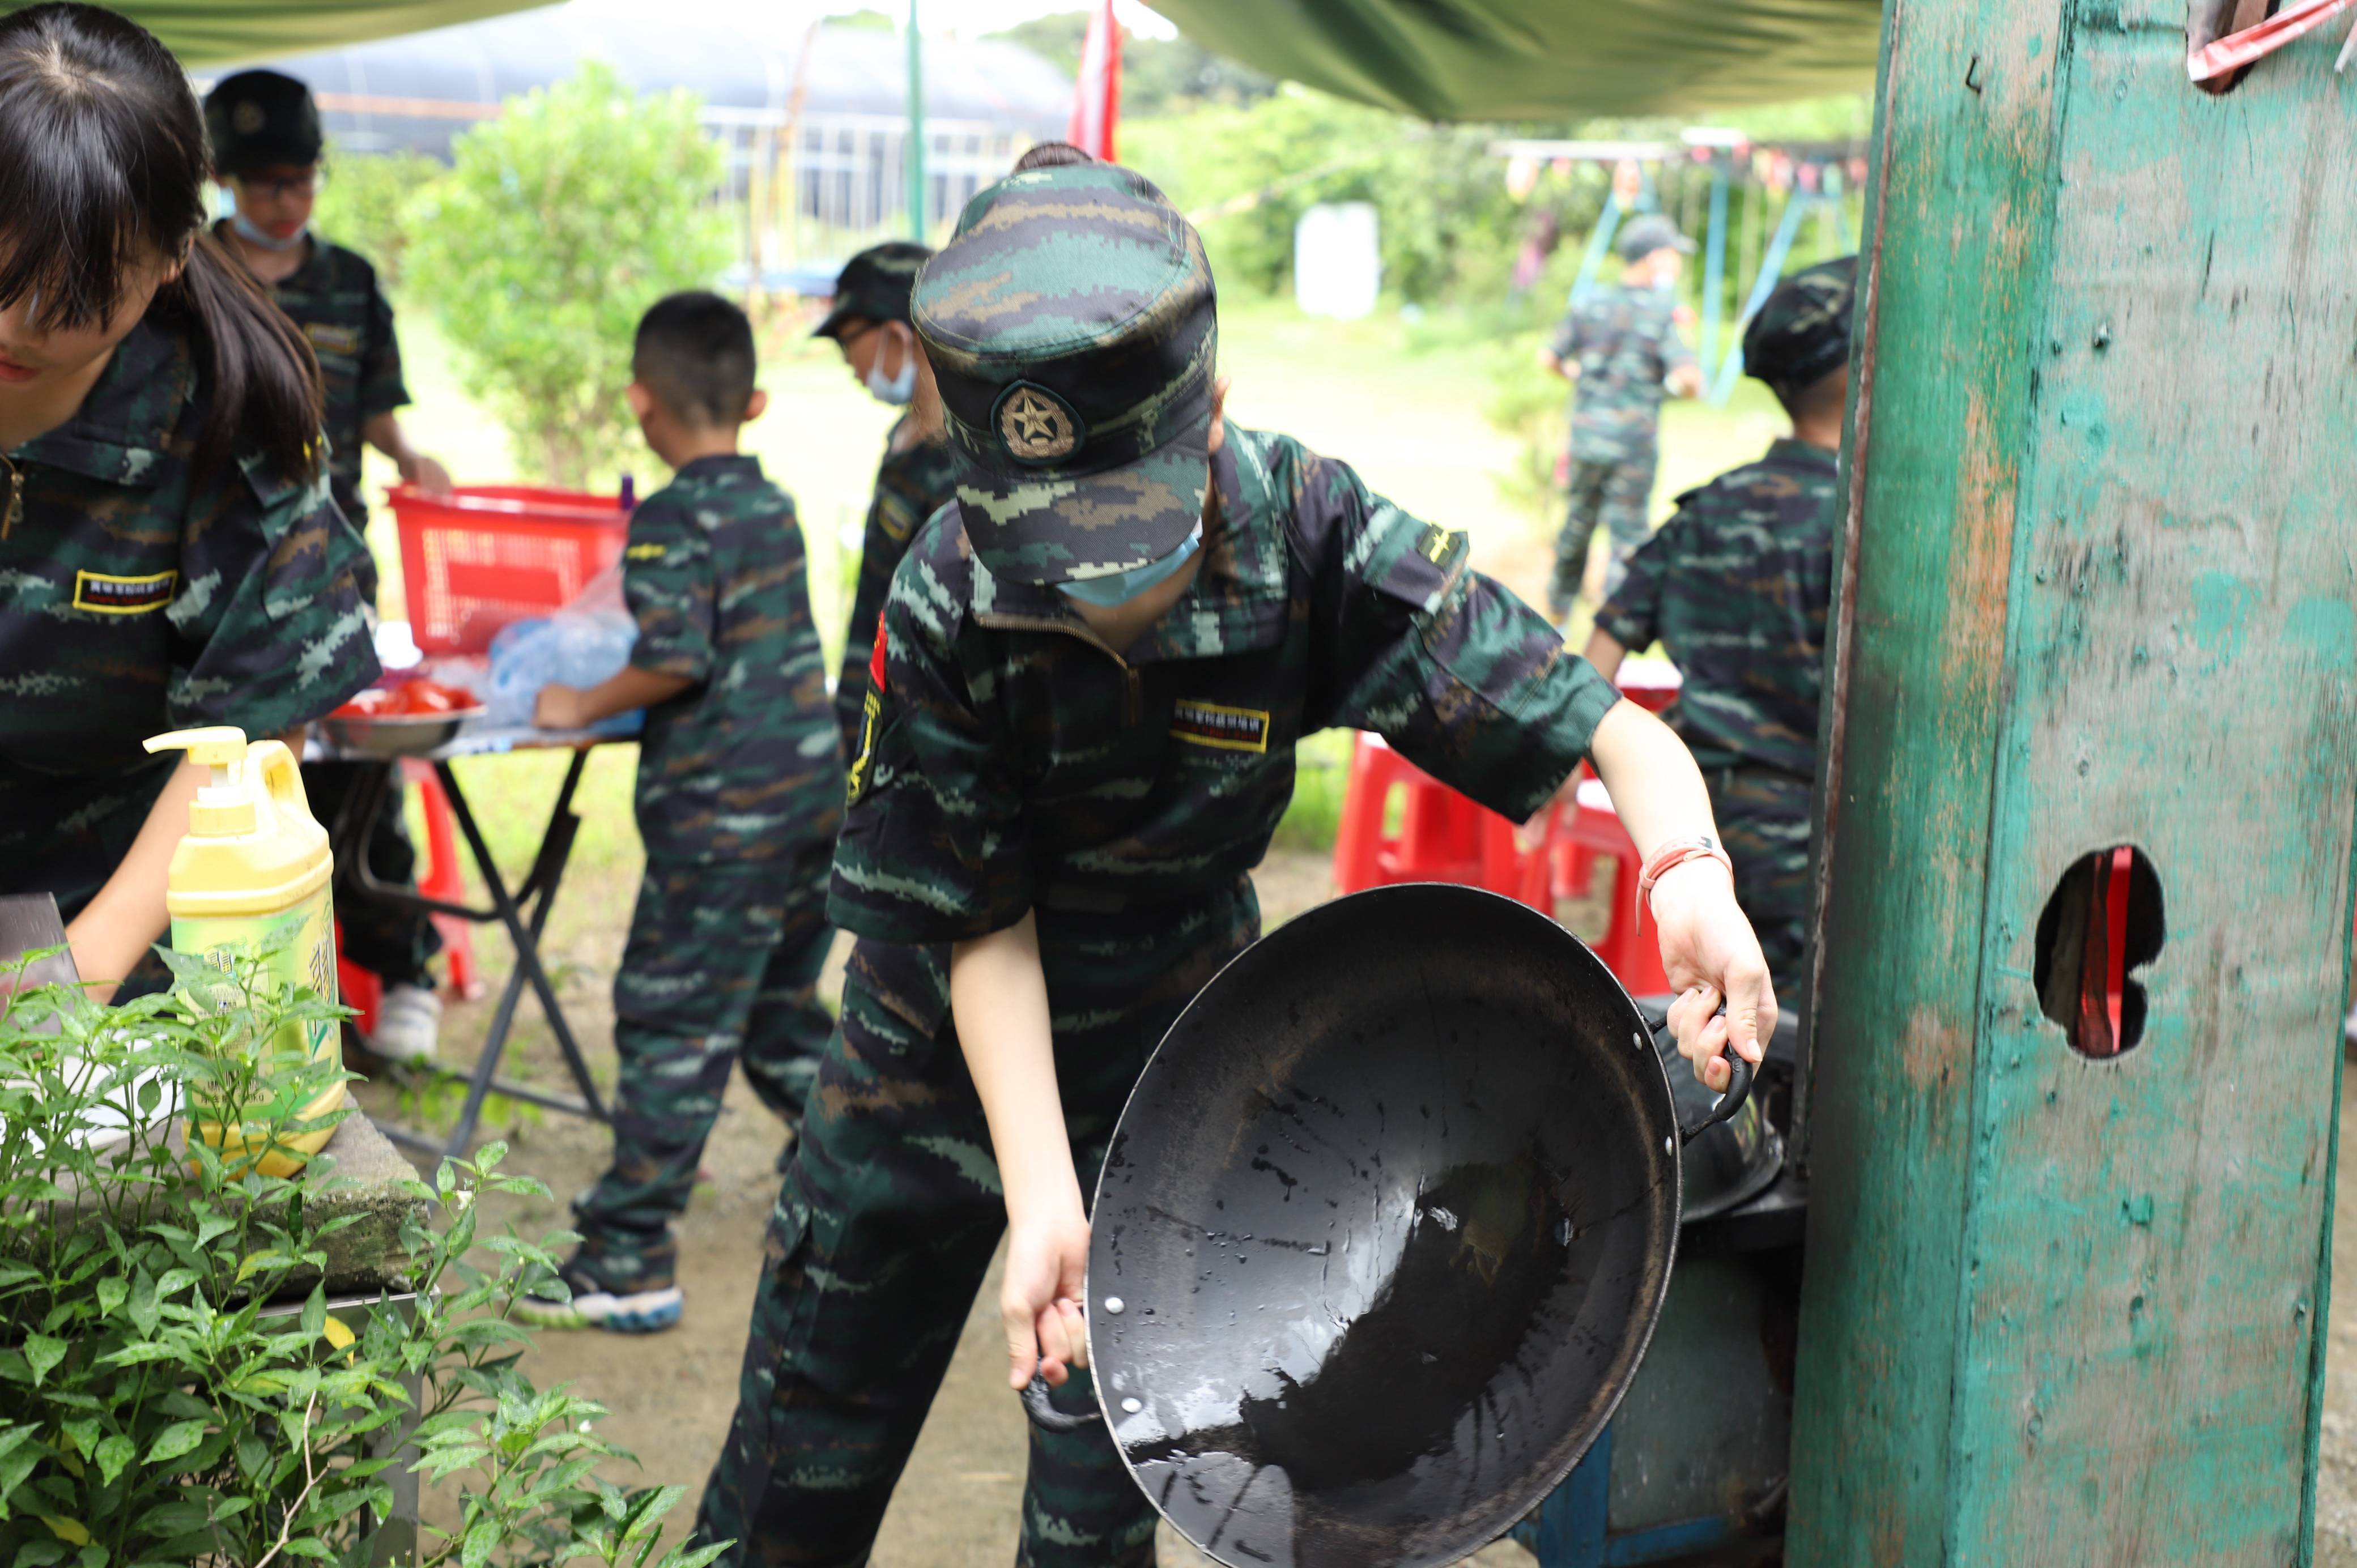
x=896, y=389
x=1123, y=586
x=268, y=242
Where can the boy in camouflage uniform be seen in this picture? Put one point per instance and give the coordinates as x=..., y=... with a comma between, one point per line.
x=1736, y=587
x=1620, y=349
x=266, y=145
x=869, y=322
x=740, y=794
x=1078, y=738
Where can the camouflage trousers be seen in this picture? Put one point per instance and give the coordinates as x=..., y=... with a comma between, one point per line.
x=722, y=965
x=1618, y=495
x=1763, y=819
x=886, y=1226
x=395, y=945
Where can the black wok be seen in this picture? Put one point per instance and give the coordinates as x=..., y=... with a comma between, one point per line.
x=1383, y=1233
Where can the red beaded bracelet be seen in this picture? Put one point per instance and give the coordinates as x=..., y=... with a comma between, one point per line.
x=1674, y=854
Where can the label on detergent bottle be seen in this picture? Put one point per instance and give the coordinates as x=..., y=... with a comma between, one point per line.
x=308, y=959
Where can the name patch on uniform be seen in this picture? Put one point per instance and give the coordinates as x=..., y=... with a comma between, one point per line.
x=334, y=339
x=112, y=595
x=1217, y=724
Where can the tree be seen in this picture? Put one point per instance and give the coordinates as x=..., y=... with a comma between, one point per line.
x=1158, y=76
x=560, y=222
x=366, y=202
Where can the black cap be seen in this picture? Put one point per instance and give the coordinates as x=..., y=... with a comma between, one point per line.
x=1801, y=334
x=260, y=119
x=875, y=285
x=1647, y=233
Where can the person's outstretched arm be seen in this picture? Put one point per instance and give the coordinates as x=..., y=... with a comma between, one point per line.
x=1708, y=948
x=998, y=996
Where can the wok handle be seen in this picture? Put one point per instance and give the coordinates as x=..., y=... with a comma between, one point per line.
x=1738, y=1090
x=1048, y=1418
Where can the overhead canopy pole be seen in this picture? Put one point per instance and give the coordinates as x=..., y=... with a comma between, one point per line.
x=916, y=225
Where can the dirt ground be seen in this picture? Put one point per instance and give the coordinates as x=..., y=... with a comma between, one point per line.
x=671, y=1396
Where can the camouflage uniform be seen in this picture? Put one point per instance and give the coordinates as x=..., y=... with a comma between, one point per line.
x=911, y=484
x=1014, y=764
x=333, y=296
x=137, y=596
x=1735, y=587
x=1626, y=344
x=740, y=794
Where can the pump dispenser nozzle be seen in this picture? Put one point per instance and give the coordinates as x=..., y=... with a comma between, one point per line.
x=222, y=807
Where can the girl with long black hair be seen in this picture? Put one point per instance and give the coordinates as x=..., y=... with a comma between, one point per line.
x=169, y=555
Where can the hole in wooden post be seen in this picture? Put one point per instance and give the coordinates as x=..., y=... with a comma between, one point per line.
x=2207, y=21
x=2103, y=921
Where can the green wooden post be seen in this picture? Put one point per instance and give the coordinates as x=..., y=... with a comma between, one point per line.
x=915, y=128
x=2097, y=589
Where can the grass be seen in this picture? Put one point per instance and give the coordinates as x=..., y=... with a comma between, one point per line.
x=1402, y=402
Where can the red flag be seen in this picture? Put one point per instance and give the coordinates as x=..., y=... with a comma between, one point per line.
x=1096, y=97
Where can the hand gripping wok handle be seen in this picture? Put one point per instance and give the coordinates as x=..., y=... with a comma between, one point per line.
x=1047, y=1417
x=1738, y=1090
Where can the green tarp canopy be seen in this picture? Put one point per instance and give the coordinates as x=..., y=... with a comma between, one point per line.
x=212, y=32
x=1541, y=59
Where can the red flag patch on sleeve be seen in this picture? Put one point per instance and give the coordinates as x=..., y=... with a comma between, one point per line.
x=875, y=660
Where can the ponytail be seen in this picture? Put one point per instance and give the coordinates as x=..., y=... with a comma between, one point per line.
x=266, y=396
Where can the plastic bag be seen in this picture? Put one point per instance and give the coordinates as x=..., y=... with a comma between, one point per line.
x=585, y=642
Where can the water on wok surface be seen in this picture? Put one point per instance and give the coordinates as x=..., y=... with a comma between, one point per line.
x=1372, y=1308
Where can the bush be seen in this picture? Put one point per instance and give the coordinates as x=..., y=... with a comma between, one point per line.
x=560, y=222
x=367, y=202
x=173, y=1387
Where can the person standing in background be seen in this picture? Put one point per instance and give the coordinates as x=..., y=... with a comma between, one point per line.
x=1620, y=349
x=266, y=149
x=1735, y=586
x=869, y=322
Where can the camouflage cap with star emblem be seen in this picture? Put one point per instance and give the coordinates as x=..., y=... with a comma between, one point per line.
x=1072, y=327
x=1801, y=334
x=262, y=119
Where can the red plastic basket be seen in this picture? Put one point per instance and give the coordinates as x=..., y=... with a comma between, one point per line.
x=488, y=555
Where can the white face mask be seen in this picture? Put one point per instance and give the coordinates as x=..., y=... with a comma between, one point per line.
x=252, y=234
x=895, y=390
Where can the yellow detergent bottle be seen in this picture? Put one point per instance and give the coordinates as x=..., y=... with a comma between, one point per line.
x=255, y=867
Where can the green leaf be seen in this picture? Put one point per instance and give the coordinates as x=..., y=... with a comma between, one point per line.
x=176, y=1440
x=42, y=1353
x=477, y=1549
x=114, y=1451
x=111, y=1292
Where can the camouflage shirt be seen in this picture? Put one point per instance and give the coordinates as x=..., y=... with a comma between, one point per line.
x=744, y=764
x=1735, y=586
x=1626, y=343
x=136, y=599
x=1016, y=761
x=333, y=296
x=911, y=484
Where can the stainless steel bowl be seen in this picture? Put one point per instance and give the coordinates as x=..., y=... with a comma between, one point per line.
x=396, y=735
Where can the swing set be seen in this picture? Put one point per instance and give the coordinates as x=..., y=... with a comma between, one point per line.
x=1808, y=178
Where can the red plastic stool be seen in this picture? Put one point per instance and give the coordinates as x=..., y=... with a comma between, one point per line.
x=1443, y=837
x=1652, y=684
x=360, y=990
x=442, y=879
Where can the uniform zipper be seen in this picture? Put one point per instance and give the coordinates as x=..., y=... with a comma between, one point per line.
x=1132, y=695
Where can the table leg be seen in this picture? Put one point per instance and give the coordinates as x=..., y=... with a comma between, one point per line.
x=539, y=888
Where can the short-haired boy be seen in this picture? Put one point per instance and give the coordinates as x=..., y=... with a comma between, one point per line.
x=739, y=795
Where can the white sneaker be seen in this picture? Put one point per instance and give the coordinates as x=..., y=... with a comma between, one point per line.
x=407, y=1021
